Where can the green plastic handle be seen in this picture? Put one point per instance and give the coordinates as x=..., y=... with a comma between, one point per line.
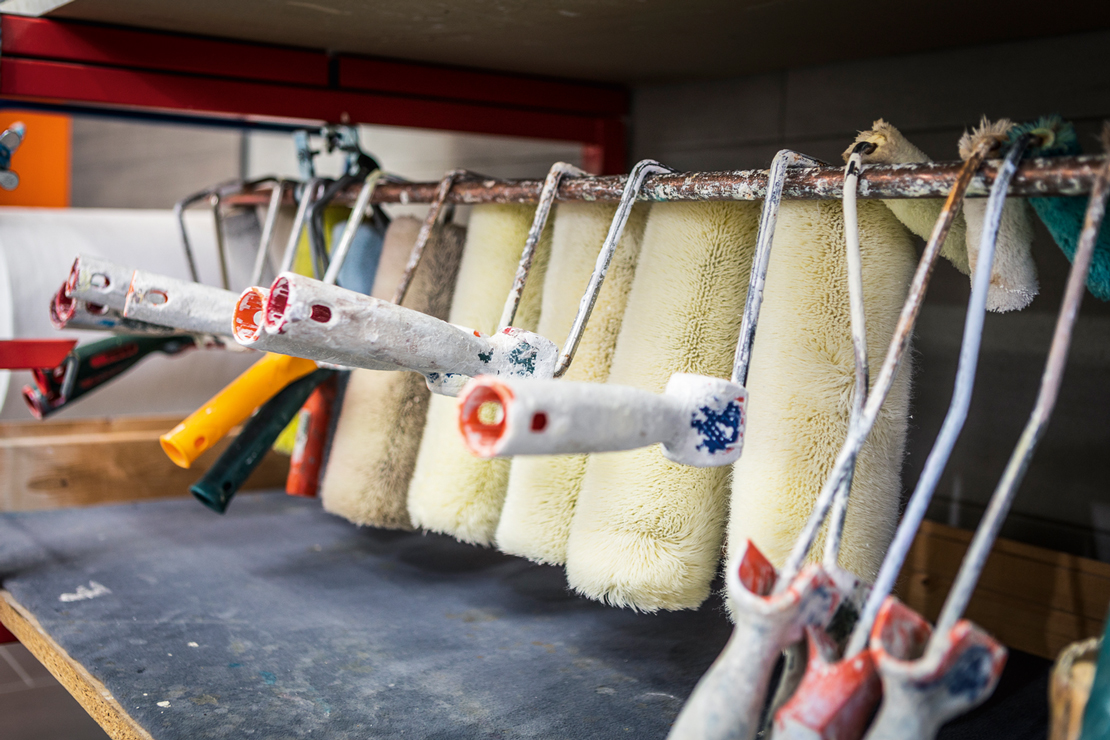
x=222, y=481
x=91, y=365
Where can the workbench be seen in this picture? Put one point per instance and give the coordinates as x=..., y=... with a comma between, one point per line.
x=280, y=621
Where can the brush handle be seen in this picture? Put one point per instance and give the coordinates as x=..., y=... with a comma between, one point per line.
x=211, y=422
x=222, y=481
x=91, y=365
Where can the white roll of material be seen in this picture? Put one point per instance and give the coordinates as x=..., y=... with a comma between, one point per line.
x=37, y=248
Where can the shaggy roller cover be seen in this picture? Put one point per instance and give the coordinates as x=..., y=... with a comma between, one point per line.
x=543, y=489
x=452, y=491
x=919, y=215
x=374, y=446
x=1063, y=215
x=647, y=532
x=801, y=385
x=1013, y=272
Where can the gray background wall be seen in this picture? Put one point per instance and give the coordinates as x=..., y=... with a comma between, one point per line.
x=741, y=123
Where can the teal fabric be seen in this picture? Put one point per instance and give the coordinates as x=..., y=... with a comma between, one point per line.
x=1063, y=216
x=1096, y=717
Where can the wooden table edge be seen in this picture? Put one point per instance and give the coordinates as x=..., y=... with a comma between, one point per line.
x=90, y=693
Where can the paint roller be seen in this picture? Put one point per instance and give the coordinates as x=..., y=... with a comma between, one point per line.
x=221, y=481
x=917, y=214
x=329, y=324
x=932, y=676
x=771, y=609
x=838, y=694
x=1013, y=283
x=543, y=490
x=1063, y=216
x=698, y=419
x=89, y=366
x=450, y=490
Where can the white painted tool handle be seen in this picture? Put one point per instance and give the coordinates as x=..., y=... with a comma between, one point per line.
x=699, y=420
x=180, y=304
x=98, y=281
x=309, y=318
x=727, y=702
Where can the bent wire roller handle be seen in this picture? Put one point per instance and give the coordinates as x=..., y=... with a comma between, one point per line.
x=90, y=366
x=231, y=406
x=314, y=421
x=957, y=667
x=837, y=697
x=222, y=481
x=699, y=420
x=899, y=342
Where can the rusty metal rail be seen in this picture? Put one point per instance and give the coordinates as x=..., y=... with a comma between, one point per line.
x=1057, y=176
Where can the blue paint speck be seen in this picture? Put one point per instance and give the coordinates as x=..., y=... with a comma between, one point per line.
x=718, y=429
x=524, y=356
x=971, y=674
x=268, y=678
x=234, y=665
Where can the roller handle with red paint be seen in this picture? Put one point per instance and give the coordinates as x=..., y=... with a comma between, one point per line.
x=312, y=437
x=89, y=366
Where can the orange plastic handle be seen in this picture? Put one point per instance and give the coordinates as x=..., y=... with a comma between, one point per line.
x=233, y=405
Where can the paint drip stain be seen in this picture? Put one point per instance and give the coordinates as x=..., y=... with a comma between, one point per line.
x=524, y=356
x=718, y=429
x=268, y=678
x=485, y=356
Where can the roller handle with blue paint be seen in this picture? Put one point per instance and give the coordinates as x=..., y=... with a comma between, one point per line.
x=222, y=481
x=699, y=420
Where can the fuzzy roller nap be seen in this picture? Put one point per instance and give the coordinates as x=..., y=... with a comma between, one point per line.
x=801, y=384
x=647, y=532
x=378, y=434
x=916, y=214
x=452, y=491
x=1013, y=272
x=539, y=504
x=1063, y=215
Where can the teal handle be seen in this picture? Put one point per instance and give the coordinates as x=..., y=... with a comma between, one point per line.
x=222, y=481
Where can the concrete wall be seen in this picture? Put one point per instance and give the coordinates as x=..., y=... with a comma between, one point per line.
x=740, y=123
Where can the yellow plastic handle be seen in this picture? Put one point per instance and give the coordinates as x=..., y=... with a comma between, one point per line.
x=211, y=422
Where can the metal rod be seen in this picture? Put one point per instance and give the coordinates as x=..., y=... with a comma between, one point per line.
x=835, y=531
x=766, y=236
x=307, y=195
x=221, y=246
x=440, y=197
x=272, y=212
x=605, y=256
x=1035, y=177
x=957, y=408
x=543, y=210
x=987, y=532
x=358, y=213
x=899, y=342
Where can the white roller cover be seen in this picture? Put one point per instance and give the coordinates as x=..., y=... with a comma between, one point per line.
x=37, y=248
